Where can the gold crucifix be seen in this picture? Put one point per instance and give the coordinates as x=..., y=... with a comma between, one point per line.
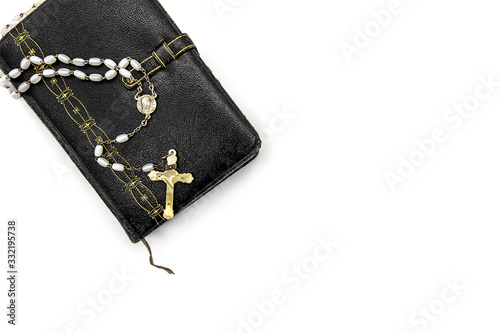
x=170, y=176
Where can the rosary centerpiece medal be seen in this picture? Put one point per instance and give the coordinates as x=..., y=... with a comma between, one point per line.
x=146, y=104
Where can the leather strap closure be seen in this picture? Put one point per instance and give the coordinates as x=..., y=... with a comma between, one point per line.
x=161, y=57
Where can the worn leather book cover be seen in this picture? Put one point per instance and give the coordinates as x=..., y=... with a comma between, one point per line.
x=195, y=116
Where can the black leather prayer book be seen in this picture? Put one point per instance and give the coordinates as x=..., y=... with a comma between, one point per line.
x=194, y=118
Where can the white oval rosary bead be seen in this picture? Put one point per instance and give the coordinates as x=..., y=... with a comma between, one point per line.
x=4, y=30
x=64, y=72
x=125, y=73
x=49, y=73
x=63, y=58
x=79, y=62
x=50, y=60
x=35, y=78
x=137, y=66
x=118, y=167
x=4, y=81
x=124, y=63
x=99, y=149
x=17, y=18
x=25, y=63
x=23, y=87
x=110, y=63
x=96, y=77
x=16, y=95
x=11, y=88
x=103, y=162
x=13, y=23
x=95, y=61
x=15, y=73
x=36, y=60
x=79, y=74
x=122, y=138
x=148, y=167
x=110, y=75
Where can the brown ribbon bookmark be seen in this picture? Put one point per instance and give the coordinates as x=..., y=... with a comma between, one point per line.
x=168, y=270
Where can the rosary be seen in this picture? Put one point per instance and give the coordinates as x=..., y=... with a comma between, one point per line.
x=146, y=104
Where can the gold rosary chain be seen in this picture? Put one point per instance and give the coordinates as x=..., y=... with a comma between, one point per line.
x=144, y=123
x=148, y=80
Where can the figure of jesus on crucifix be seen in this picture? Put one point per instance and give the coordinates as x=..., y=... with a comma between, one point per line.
x=170, y=176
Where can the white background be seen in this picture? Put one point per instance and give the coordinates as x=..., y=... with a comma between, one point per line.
x=321, y=174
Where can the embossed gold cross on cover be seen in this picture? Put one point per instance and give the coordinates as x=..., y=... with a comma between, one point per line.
x=130, y=100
